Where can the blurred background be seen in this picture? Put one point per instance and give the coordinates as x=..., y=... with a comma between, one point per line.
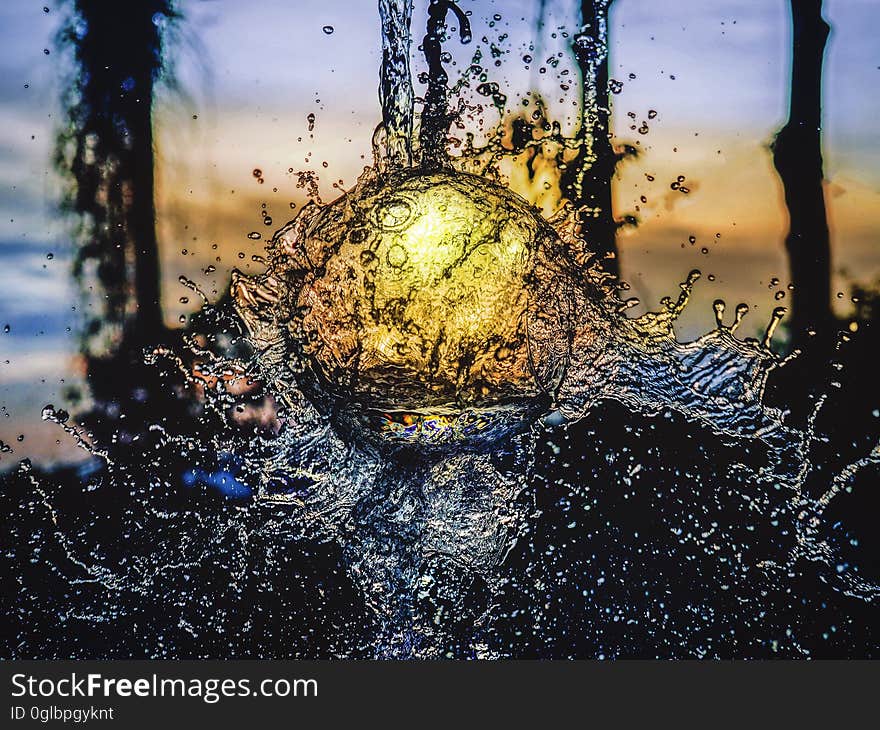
x=247, y=95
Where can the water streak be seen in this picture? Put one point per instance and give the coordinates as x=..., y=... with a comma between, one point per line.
x=395, y=87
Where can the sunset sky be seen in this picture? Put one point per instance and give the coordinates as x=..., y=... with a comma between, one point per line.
x=248, y=74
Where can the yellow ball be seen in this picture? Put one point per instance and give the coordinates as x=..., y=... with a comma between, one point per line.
x=426, y=302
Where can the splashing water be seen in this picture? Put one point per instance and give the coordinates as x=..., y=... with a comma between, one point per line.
x=438, y=390
x=425, y=323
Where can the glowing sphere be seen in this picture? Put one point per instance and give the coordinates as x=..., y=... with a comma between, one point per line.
x=427, y=307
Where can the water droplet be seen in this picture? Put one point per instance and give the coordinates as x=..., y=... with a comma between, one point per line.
x=742, y=309
x=255, y=235
x=775, y=319
x=629, y=304
x=718, y=305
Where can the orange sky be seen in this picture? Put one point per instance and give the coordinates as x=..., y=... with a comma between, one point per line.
x=214, y=199
x=716, y=74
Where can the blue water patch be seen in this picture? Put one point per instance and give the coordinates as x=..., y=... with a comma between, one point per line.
x=223, y=481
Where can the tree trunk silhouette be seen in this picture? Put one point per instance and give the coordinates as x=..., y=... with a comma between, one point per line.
x=797, y=156
x=106, y=153
x=586, y=181
x=106, y=156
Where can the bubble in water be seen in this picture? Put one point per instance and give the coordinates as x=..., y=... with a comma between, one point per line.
x=328, y=29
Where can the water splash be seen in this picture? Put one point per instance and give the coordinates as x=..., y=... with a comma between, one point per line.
x=436, y=394
x=435, y=115
x=470, y=529
x=379, y=301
